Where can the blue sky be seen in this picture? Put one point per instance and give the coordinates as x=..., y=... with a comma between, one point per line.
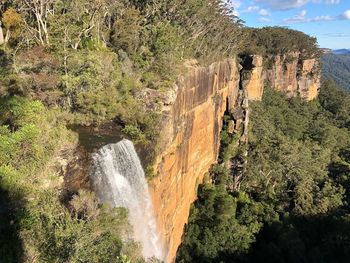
x=328, y=20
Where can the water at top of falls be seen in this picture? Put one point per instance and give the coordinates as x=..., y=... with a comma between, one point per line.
x=119, y=180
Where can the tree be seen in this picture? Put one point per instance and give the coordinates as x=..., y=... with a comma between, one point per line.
x=12, y=22
x=36, y=17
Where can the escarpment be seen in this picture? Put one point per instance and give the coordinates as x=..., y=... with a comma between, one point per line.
x=190, y=143
x=192, y=121
x=289, y=73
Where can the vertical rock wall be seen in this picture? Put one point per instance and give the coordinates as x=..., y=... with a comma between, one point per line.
x=252, y=77
x=192, y=121
x=309, y=79
x=288, y=73
x=190, y=135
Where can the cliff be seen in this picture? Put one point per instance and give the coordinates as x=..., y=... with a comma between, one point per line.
x=192, y=121
x=288, y=73
x=190, y=139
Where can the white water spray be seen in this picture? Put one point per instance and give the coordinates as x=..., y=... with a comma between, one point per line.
x=119, y=180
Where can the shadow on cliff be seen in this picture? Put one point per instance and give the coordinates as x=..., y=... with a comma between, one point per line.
x=11, y=211
x=301, y=239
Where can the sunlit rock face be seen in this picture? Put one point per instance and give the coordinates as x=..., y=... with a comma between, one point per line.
x=288, y=73
x=192, y=121
x=309, y=79
x=281, y=73
x=190, y=135
x=252, y=77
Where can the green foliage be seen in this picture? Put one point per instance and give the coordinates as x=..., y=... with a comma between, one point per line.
x=134, y=132
x=33, y=221
x=229, y=145
x=92, y=234
x=279, y=40
x=126, y=31
x=221, y=225
x=12, y=22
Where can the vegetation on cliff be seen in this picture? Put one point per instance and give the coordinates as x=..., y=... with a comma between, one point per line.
x=280, y=41
x=293, y=201
x=64, y=63
x=34, y=225
x=84, y=62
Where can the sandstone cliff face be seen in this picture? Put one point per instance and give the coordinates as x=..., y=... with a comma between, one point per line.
x=288, y=73
x=190, y=138
x=252, y=77
x=192, y=121
x=309, y=79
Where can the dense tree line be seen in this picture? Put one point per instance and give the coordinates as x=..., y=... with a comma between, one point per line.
x=293, y=203
x=269, y=41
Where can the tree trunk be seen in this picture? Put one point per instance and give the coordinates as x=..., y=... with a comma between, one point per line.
x=7, y=36
x=2, y=40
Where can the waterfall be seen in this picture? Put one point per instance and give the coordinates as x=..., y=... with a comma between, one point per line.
x=119, y=180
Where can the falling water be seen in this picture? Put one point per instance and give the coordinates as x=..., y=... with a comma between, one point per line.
x=119, y=180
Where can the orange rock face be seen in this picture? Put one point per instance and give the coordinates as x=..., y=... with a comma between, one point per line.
x=255, y=83
x=283, y=74
x=191, y=125
x=309, y=81
x=190, y=139
x=287, y=73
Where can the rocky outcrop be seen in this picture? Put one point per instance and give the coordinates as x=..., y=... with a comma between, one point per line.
x=289, y=73
x=190, y=135
x=309, y=79
x=252, y=77
x=281, y=73
x=192, y=121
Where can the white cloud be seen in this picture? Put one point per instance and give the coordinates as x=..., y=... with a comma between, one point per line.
x=346, y=15
x=290, y=4
x=256, y=9
x=337, y=35
x=282, y=4
x=302, y=18
x=251, y=9
x=264, y=12
x=298, y=18
x=322, y=18
x=302, y=13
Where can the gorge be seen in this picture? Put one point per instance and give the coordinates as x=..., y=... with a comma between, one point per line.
x=191, y=134
x=147, y=131
x=189, y=144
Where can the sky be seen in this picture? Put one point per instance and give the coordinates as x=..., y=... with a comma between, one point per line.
x=328, y=20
